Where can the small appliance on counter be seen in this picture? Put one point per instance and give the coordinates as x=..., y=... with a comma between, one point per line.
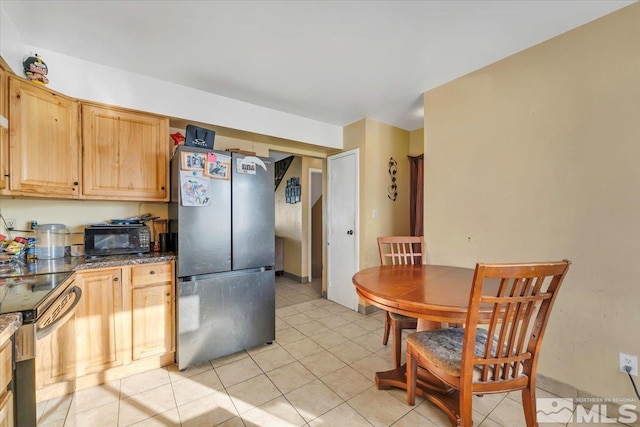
x=50, y=240
x=113, y=239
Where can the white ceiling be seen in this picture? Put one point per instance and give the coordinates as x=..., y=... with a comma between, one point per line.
x=332, y=61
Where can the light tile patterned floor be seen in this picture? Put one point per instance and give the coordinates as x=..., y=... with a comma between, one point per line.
x=318, y=372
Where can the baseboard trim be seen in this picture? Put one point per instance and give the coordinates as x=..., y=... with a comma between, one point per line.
x=296, y=278
x=367, y=308
x=588, y=400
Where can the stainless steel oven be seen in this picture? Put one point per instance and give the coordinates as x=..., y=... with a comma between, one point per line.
x=46, y=302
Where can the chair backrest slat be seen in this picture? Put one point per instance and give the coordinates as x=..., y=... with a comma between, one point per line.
x=521, y=308
x=401, y=250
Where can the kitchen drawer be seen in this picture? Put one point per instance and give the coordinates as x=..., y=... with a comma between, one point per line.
x=5, y=366
x=151, y=273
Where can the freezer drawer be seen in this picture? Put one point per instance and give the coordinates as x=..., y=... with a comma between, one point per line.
x=220, y=314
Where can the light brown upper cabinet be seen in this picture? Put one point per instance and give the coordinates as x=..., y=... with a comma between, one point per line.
x=4, y=138
x=126, y=154
x=44, y=147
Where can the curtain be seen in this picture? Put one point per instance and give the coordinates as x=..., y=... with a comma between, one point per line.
x=416, y=198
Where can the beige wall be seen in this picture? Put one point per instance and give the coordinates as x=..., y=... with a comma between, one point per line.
x=384, y=142
x=316, y=238
x=289, y=222
x=223, y=143
x=536, y=158
x=378, y=142
x=307, y=163
x=73, y=213
x=76, y=213
x=416, y=142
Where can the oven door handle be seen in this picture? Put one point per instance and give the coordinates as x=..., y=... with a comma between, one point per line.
x=52, y=318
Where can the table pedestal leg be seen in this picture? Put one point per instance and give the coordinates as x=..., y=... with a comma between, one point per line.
x=427, y=386
x=398, y=378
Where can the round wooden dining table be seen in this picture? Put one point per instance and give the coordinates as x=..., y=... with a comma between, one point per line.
x=431, y=293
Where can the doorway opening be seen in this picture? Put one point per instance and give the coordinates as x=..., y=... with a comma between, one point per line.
x=314, y=238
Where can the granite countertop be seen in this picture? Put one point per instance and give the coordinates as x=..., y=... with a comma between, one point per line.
x=9, y=324
x=70, y=264
x=85, y=263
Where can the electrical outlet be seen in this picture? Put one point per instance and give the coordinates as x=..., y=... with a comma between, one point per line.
x=11, y=223
x=629, y=360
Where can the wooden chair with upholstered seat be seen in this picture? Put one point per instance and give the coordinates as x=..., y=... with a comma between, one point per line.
x=504, y=356
x=399, y=250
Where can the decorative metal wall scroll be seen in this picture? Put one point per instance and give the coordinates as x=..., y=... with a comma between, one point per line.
x=293, y=191
x=393, y=188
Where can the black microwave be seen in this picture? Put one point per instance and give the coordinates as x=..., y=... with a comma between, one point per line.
x=116, y=240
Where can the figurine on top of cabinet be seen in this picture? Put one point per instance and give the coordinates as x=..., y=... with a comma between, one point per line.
x=35, y=69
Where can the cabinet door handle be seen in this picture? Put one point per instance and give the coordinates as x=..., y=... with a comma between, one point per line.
x=168, y=294
x=75, y=183
x=115, y=279
x=152, y=272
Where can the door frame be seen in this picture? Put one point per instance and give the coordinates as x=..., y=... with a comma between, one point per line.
x=309, y=219
x=330, y=209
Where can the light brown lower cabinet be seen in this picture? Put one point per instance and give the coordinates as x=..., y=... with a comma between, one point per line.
x=152, y=331
x=99, y=321
x=6, y=410
x=152, y=310
x=124, y=324
x=6, y=396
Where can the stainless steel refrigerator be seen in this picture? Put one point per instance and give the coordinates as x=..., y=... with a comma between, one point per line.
x=224, y=241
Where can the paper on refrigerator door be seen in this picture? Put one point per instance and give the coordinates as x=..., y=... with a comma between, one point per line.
x=247, y=165
x=194, y=189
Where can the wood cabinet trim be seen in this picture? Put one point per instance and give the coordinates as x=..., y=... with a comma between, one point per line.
x=77, y=177
x=151, y=345
x=30, y=136
x=6, y=410
x=125, y=109
x=6, y=372
x=151, y=273
x=129, y=140
x=4, y=133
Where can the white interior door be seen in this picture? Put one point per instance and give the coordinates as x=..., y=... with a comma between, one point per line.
x=342, y=227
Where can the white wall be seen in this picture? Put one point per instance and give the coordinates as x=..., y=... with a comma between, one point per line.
x=95, y=82
x=11, y=44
